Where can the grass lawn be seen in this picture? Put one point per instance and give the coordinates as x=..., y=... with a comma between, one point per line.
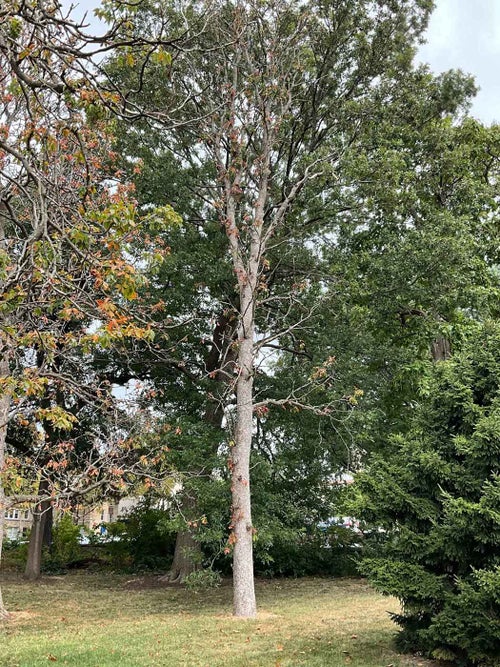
x=96, y=620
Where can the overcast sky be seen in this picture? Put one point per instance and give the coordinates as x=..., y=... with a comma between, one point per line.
x=465, y=34
x=462, y=34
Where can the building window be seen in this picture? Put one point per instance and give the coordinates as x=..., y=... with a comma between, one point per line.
x=12, y=533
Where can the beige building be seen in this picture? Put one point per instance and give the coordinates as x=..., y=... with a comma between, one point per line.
x=18, y=520
x=93, y=516
x=17, y=523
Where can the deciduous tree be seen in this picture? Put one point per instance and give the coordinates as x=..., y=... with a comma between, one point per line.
x=66, y=223
x=278, y=94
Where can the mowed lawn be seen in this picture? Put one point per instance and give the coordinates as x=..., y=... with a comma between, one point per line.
x=88, y=620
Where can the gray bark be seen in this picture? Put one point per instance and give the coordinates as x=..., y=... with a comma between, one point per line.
x=440, y=349
x=41, y=521
x=187, y=558
x=244, y=603
x=4, y=415
x=246, y=268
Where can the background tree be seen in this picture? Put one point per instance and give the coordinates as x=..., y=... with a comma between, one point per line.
x=413, y=260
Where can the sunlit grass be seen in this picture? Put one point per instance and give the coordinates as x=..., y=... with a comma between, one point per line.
x=88, y=620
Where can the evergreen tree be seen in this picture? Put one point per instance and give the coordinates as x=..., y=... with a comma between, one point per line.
x=437, y=499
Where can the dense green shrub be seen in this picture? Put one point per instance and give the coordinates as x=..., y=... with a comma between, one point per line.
x=332, y=550
x=65, y=549
x=141, y=540
x=437, y=497
x=14, y=554
x=202, y=580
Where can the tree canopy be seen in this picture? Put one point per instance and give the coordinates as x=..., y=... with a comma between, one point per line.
x=282, y=231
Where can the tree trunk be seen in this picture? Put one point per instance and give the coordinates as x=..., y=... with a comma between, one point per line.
x=440, y=349
x=187, y=558
x=4, y=415
x=48, y=526
x=187, y=553
x=219, y=364
x=41, y=519
x=244, y=603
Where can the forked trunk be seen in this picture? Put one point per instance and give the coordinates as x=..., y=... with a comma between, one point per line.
x=244, y=603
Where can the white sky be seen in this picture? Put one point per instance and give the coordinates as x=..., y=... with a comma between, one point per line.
x=463, y=34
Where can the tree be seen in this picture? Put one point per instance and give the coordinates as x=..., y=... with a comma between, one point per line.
x=66, y=223
x=437, y=499
x=186, y=373
x=416, y=248
x=274, y=97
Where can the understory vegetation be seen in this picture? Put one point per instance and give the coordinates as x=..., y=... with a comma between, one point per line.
x=143, y=541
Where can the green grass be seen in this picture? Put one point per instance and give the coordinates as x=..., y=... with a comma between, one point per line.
x=88, y=620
